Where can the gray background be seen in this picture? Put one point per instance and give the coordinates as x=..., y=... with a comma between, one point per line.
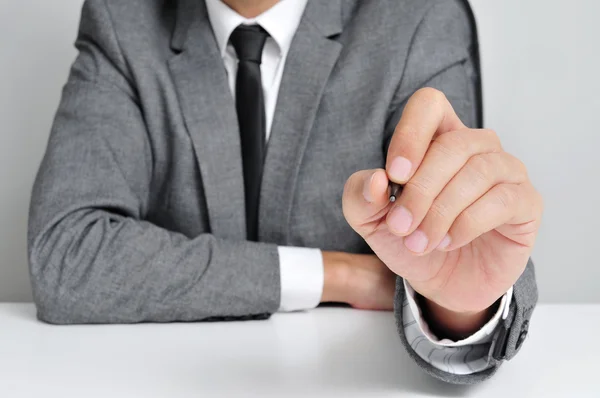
x=541, y=66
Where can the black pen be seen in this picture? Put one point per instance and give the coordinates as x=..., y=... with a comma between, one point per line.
x=395, y=191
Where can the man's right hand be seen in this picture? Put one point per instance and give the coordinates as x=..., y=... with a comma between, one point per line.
x=361, y=280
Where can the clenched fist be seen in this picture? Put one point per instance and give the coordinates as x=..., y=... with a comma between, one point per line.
x=464, y=226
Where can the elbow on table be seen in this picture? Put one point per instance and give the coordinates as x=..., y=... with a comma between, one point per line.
x=58, y=308
x=58, y=294
x=55, y=303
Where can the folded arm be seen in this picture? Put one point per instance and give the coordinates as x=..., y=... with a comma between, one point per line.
x=94, y=257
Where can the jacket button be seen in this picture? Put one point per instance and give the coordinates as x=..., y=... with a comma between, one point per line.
x=523, y=335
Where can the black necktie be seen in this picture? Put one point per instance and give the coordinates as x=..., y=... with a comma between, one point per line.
x=248, y=42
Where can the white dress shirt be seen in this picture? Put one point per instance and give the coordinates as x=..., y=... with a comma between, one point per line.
x=301, y=269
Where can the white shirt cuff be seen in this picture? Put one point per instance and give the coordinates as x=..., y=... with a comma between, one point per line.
x=302, y=278
x=462, y=357
x=483, y=335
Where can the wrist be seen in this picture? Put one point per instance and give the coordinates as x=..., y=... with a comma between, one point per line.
x=453, y=325
x=336, y=274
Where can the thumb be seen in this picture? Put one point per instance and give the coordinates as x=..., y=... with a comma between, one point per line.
x=365, y=200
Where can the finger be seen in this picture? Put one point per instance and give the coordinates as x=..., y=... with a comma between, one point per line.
x=481, y=173
x=426, y=115
x=446, y=156
x=365, y=199
x=503, y=204
x=524, y=226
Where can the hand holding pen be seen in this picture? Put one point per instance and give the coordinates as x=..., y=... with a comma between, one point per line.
x=463, y=215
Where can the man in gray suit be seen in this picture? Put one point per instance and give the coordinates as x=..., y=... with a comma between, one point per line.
x=226, y=159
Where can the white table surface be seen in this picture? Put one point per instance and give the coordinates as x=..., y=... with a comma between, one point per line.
x=323, y=353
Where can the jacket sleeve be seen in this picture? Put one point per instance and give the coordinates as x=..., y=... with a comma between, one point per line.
x=94, y=258
x=444, y=55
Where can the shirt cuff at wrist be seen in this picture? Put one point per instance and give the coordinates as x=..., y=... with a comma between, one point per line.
x=302, y=278
x=483, y=335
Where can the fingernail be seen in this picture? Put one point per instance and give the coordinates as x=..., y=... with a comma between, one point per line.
x=400, y=220
x=416, y=242
x=444, y=243
x=400, y=169
x=367, y=189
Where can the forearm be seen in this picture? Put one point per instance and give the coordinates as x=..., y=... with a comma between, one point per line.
x=99, y=267
x=447, y=324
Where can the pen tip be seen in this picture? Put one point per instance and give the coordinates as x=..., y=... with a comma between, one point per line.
x=392, y=198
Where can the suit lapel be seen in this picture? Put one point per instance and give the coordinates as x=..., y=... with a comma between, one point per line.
x=310, y=60
x=209, y=112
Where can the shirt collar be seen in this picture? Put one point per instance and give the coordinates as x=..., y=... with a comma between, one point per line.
x=281, y=21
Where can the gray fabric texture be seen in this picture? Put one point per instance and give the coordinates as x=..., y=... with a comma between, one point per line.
x=137, y=212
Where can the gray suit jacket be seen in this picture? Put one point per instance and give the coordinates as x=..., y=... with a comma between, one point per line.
x=137, y=213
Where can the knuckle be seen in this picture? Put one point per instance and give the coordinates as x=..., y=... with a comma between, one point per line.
x=454, y=143
x=492, y=136
x=441, y=148
x=432, y=95
x=419, y=186
x=506, y=196
x=481, y=166
x=466, y=221
x=520, y=169
x=408, y=133
x=440, y=211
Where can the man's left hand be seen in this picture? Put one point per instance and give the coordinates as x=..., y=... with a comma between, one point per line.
x=464, y=226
